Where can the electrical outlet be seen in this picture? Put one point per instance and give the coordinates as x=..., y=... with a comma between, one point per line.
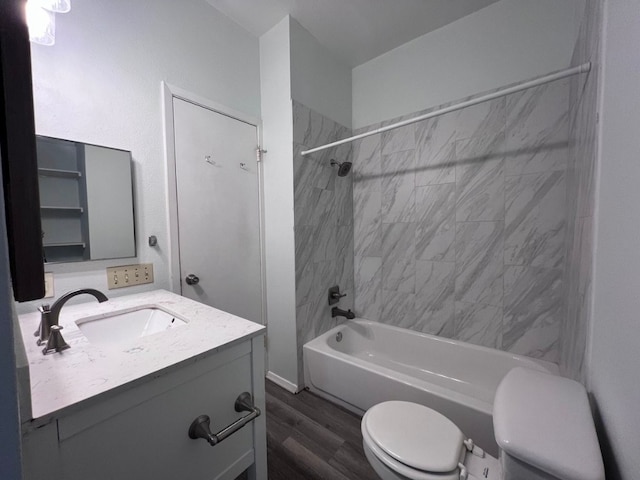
x=49, y=292
x=129, y=275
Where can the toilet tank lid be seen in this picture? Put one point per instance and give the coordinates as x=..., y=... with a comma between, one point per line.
x=545, y=421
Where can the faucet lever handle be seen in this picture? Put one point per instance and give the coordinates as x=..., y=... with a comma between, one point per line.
x=55, y=343
x=44, y=309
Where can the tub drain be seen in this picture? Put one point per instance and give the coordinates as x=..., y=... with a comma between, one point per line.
x=339, y=337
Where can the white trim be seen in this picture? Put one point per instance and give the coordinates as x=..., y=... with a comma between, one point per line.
x=188, y=96
x=263, y=248
x=585, y=67
x=282, y=382
x=170, y=175
x=587, y=376
x=169, y=92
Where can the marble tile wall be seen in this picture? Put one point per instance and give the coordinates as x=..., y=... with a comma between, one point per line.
x=460, y=223
x=580, y=197
x=323, y=212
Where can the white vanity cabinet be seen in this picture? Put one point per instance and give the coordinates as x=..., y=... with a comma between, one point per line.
x=141, y=432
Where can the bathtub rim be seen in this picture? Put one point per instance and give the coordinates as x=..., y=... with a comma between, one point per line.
x=472, y=413
x=320, y=346
x=545, y=364
x=468, y=401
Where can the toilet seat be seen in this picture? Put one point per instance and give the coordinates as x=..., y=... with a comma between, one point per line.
x=414, y=441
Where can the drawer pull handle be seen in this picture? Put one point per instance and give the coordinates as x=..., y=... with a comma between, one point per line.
x=200, y=426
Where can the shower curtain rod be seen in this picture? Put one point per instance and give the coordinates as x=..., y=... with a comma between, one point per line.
x=585, y=67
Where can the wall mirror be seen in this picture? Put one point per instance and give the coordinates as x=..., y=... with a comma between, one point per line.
x=86, y=201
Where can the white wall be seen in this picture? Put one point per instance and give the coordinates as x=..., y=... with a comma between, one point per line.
x=318, y=80
x=506, y=42
x=100, y=84
x=615, y=338
x=277, y=117
x=293, y=65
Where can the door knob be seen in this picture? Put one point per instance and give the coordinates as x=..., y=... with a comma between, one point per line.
x=191, y=279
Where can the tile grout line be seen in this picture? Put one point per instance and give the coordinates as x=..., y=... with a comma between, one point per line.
x=504, y=228
x=454, y=320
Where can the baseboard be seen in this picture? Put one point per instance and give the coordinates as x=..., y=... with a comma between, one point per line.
x=337, y=401
x=281, y=382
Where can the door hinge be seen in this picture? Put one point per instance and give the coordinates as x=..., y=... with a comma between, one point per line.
x=260, y=154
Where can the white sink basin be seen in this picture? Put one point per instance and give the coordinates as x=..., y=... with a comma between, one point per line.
x=123, y=327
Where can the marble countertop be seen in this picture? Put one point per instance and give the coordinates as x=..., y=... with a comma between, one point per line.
x=62, y=380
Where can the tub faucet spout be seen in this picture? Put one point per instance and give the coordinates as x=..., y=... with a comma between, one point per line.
x=348, y=314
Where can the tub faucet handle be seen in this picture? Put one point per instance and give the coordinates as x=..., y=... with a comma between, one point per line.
x=335, y=295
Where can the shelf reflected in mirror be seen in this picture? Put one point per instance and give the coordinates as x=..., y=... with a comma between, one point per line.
x=86, y=201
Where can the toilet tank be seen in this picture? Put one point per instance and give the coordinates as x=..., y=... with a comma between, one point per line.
x=544, y=428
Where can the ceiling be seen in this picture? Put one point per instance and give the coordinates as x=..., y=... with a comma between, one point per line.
x=354, y=30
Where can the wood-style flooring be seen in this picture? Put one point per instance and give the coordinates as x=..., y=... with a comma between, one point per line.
x=310, y=438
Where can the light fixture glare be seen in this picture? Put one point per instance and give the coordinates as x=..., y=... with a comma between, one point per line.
x=57, y=6
x=42, y=24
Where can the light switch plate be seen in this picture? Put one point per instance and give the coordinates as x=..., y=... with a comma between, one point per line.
x=129, y=275
x=49, y=291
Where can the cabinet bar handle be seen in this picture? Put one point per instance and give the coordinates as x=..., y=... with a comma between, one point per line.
x=200, y=426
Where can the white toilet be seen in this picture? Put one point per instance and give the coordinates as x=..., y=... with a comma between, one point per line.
x=542, y=423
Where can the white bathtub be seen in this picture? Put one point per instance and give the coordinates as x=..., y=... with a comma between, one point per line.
x=374, y=363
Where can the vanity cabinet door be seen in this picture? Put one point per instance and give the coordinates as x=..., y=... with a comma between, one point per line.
x=150, y=440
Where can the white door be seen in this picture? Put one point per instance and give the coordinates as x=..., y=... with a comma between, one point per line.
x=218, y=210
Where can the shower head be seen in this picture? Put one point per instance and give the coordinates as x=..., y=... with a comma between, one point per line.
x=343, y=168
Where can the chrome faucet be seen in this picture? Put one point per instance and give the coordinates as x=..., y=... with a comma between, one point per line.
x=49, y=316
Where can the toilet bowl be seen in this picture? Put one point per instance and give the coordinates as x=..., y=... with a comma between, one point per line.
x=404, y=440
x=542, y=423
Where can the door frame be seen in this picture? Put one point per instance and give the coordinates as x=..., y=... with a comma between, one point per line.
x=169, y=92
